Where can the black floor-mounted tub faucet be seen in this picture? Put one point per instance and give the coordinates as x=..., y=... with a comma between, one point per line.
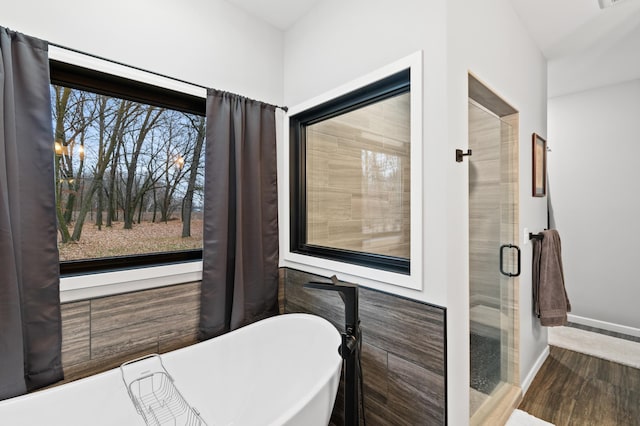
x=349, y=349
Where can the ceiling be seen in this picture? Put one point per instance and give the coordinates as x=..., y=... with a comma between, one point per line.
x=281, y=14
x=586, y=46
x=562, y=28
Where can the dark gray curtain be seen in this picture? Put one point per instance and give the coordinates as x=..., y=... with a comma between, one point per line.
x=30, y=329
x=240, y=248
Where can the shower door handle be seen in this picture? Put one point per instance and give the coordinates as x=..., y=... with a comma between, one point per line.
x=502, y=271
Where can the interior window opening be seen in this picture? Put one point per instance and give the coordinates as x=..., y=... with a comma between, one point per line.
x=351, y=177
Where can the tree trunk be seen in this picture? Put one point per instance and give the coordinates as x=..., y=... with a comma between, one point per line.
x=65, y=236
x=62, y=100
x=71, y=202
x=155, y=206
x=141, y=206
x=130, y=200
x=100, y=206
x=101, y=167
x=73, y=186
x=111, y=195
x=187, y=204
x=77, y=229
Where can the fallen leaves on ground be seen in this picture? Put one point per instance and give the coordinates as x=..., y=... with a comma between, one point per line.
x=145, y=237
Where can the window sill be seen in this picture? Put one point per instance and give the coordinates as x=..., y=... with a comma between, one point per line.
x=89, y=286
x=369, y=277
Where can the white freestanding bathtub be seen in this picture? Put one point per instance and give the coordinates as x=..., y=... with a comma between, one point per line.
x=279, y=371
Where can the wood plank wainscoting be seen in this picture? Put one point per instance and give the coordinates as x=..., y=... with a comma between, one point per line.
x=403, y=358
x=100, y=334
x=403, y=351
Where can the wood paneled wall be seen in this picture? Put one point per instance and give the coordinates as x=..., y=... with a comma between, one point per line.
x=100, y=334
x=403, y=351
x=403, y=357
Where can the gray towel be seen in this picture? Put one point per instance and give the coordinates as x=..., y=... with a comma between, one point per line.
x=550, y=299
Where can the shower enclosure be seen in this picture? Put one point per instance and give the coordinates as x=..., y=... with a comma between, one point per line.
x=493, y=254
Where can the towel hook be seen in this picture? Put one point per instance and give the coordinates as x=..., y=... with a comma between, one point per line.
x=460, y=155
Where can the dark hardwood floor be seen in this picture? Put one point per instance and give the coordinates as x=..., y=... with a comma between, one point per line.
x=580, y=390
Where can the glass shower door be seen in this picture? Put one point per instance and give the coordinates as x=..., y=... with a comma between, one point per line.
x=493, y=259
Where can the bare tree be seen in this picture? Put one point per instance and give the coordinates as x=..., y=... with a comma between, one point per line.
x=131, y=199
x=173, y=168
x=61, y=102
x=73, y=114
x=198, y=125
x=119, y=156
x=105, y=154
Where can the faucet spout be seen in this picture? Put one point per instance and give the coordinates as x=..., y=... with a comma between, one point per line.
x=348, y=294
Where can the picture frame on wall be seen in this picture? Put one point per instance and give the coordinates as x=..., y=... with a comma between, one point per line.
x=539, y=169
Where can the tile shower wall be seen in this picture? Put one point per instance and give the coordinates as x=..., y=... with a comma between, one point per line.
x=403, y=356
x=100, y=334
x=493, y=208
x=358, y=179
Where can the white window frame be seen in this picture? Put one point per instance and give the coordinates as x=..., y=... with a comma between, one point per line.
x=372, y=277
x=87, y=286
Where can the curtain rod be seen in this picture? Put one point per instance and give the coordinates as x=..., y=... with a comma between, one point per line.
x=284, y=108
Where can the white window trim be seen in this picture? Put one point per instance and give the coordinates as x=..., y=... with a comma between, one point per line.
x=375, y=278
x=87, y=286
x=93, y=63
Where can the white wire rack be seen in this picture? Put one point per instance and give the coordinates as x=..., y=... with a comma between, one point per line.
x=154, y=394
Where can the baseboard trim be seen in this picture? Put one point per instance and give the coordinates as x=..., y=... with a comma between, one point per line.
x=534, y=370
x=609, y=326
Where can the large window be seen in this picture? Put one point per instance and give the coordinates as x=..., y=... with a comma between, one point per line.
x=129, y=166
x=351, y=177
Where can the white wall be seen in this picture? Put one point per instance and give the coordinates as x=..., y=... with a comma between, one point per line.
x=488, y=39
x=594, y=181
x=340, y=41
x=208, y=42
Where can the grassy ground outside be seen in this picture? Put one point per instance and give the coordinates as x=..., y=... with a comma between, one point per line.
x=144, y=238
